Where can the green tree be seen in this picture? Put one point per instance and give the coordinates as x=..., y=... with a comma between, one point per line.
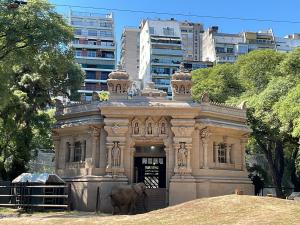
x=36, y=64
x=257, y=68
x=268, y=81
x=220, y=81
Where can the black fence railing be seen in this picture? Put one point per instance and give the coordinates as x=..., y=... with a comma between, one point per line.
x=271, y=190
x=33, y=196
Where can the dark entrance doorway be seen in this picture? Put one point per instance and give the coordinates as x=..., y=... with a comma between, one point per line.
x=150, y=168
x=151, y=171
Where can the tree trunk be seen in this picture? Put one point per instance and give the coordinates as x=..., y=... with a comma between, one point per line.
x=276, y=165
x=294, y=178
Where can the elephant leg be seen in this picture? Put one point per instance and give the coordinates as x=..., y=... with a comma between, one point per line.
x=133, y=208
x=129, y=208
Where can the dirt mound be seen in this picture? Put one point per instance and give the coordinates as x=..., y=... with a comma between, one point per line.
x=230, y=209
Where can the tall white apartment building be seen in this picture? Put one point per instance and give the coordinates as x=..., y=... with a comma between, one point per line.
x=160, y=52
x=225, y=48
x=130, y=54
x=95, y=49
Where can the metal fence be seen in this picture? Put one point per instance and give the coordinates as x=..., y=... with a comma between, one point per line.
x=34, y=196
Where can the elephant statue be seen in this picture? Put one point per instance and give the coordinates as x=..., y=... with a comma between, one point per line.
x=125, y=196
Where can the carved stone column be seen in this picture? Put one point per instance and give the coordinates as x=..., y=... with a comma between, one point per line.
x=243, y=142
x=227, y=149
x=116, y=129
x=95, y=133
x=72, y=148
x=56, y=142
x=204, y=135
x=82, y=158
x=182, y=185
x=182, y=143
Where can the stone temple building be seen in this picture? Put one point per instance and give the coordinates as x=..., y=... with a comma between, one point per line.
x=181, y=150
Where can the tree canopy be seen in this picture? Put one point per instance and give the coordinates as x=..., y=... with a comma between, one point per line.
x=269, y=82
x=36, y=64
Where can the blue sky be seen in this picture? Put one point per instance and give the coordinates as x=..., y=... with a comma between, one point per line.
x=263, y=9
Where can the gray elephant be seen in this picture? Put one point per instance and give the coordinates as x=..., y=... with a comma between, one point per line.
x=125, y=196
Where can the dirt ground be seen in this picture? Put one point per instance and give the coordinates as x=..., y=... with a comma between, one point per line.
x=230, y=209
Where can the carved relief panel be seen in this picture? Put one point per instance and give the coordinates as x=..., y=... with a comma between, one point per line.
x=150, y=127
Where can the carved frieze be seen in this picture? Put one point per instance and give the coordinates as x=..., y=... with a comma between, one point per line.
x=182, y=131
x=149, y=127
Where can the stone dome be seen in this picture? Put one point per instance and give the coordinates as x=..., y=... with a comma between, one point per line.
x=119, y=74
x=181, y=74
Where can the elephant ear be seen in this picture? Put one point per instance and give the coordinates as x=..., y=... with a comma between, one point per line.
x=139, y=188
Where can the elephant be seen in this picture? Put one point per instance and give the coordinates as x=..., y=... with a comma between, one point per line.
x=125, y=196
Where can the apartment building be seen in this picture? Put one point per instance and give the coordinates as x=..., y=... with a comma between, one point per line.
x=287, y=43
x=160, y=52
x=130, y=54
x=191, y=37
x=225, y=48
x=95, y=49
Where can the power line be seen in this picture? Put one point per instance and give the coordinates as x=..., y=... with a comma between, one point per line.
x=179, y=14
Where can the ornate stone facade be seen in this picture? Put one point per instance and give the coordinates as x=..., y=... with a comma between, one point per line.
x=98, y=144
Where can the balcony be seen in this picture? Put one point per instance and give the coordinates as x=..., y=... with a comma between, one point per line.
x=95, y=81
x=91, y=46
x=160, y=75
x=225, y=59
x=167, y=52
x=95, y=58
x=91, y=15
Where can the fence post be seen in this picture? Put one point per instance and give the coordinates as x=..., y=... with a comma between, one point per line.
x=69, y=196
x=97, y=200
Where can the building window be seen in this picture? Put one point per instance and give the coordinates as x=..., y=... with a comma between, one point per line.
x=151, y=30
x=90, y=74
x=92, y=42
x=168, y=31
x=92, y=32
x=107, y=43
x=106, y=54
x=105, y=24
x=105, y=33
x=78, y=31
x=220, y=50
x=77, y=151
x=77, y=52
x=104, y=75
x=221, y=153
x=91, y=53
x=229, y=50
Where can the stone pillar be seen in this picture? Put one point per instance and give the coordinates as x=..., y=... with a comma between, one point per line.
x=72, y=146
x=82, y=159
x=182, y=185
x=116, y=140
x=243, y=142
x=205, y=134
x=56, y=142
x=216, y=154
x=94, y=136
x=183, y=130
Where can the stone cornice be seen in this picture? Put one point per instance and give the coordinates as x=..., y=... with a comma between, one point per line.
x=222, y=124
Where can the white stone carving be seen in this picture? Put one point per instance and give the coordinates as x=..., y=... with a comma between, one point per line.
x=150, y=127
x=182, y=155
x=162, y=127
x=115, y=155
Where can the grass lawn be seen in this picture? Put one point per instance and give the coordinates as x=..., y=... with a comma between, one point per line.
x=230, y=209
